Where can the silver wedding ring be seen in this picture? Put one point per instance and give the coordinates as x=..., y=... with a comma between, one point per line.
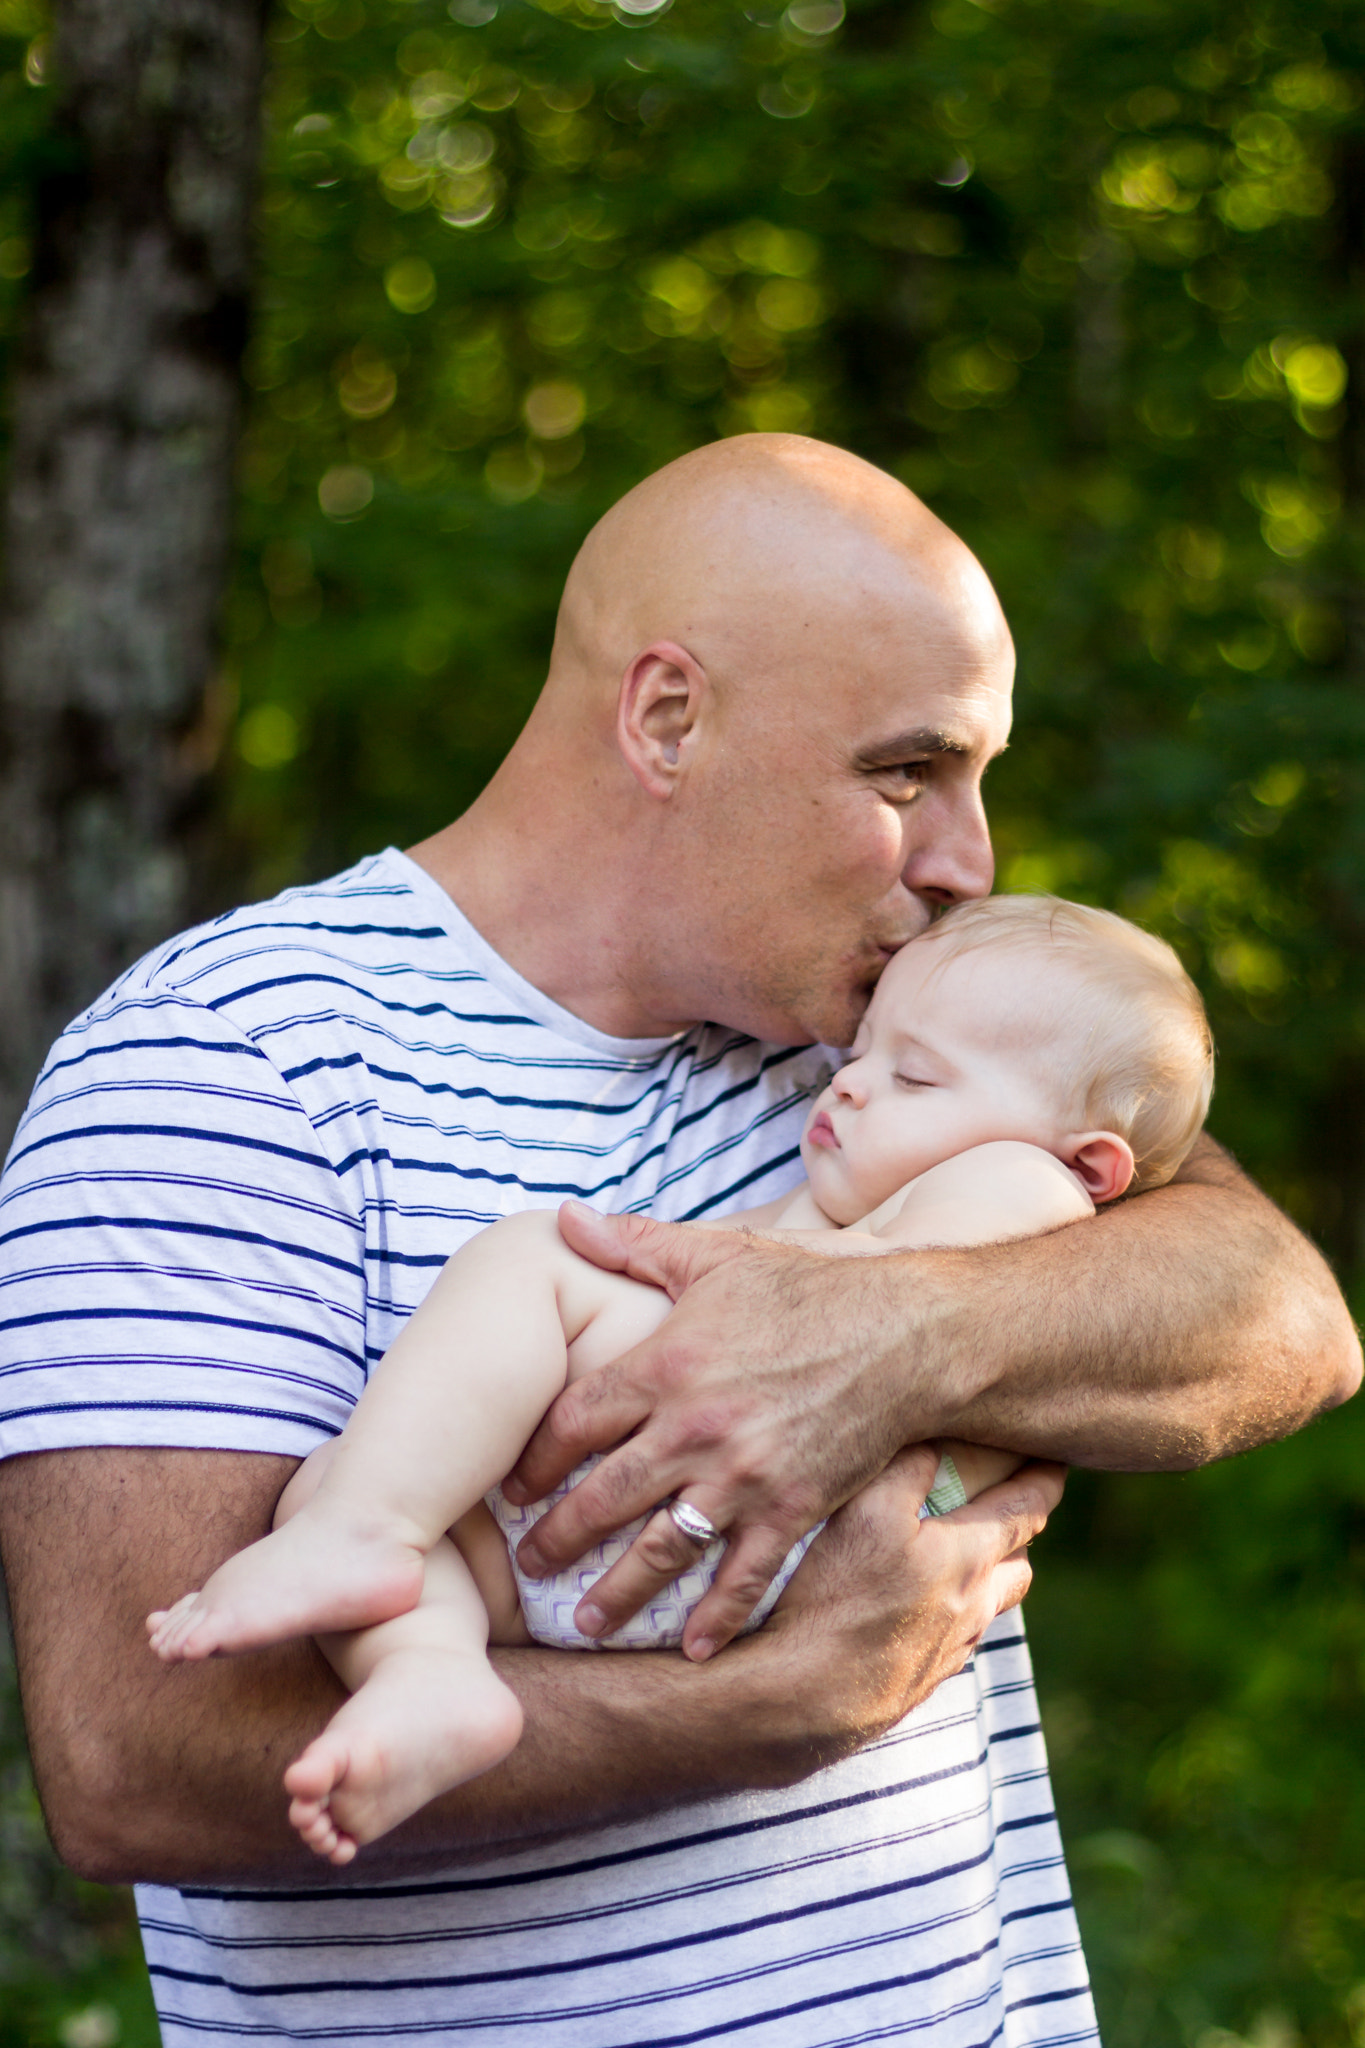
x=697, y=1527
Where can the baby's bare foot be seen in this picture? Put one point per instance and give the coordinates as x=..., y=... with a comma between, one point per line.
x=424, y=1721
x=313, y=1574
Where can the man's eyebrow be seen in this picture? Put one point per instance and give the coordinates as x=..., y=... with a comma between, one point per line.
x=920, y=739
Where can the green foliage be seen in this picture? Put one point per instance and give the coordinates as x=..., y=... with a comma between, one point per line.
x=1200, y=1643
x=1078, y=274
x=1089, y=276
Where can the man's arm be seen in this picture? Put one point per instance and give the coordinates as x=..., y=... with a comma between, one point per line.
x=149, y=1772
x=1179, y=1327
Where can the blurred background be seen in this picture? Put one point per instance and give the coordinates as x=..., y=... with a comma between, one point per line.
x=1090, y=276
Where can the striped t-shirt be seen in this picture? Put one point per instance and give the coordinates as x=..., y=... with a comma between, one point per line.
x=239, y=1173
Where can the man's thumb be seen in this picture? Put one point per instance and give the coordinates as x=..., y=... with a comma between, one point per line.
x=666, y=1255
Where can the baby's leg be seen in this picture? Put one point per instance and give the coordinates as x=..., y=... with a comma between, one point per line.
x=445, y=1415
x=483, y=1547
x=426, y=1711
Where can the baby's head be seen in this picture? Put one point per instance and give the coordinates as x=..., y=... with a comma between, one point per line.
x=1017, y=1017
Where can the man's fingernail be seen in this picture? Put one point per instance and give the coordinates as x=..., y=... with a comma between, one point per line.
x=590, y=1620
x=513, y=1490
x=701, y=1649
x=532, y=1561
x=579, y=1208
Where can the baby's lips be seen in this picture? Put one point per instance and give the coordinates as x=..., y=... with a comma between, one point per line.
x=820, y=1131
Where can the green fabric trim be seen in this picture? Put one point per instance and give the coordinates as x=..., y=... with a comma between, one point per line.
x=947, y=1491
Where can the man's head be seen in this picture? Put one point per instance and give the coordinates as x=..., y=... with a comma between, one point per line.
x=1019, y=1017
x=777, y=679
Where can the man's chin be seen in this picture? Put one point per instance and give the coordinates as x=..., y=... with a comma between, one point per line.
x=835, y=1023
x=796, y=1019
x=838, y=1021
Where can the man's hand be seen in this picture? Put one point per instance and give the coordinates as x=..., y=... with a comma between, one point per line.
x=174, y=1775
x=949, y=1576
x=1182, y=1326
x=766, y=1438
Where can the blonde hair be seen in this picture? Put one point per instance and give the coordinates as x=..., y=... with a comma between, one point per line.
x=1146, y=1052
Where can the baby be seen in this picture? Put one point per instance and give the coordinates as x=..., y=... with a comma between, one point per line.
x=1021, y=1063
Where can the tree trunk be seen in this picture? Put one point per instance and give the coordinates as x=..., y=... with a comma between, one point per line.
x=117, y=522
x=1338, y=1135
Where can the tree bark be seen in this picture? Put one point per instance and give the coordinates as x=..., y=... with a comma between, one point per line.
x=117, y=521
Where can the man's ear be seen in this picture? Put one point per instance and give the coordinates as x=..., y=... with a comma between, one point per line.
x=663, y=694
x=1101, y=1162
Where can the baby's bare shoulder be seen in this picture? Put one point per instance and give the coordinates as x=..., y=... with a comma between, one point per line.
x=1006, y=1188
x=1001, y=1159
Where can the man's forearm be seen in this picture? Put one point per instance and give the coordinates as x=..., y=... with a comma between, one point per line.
x=192, y=1796
x=1182, y=1326
x=149, y=1772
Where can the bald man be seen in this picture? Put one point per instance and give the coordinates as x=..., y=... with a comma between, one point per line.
x=754, y=772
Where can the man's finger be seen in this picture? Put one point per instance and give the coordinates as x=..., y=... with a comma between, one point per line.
x=1011, y=1581
x=659, y=1554
x=1019, y=1506
x=667, y=1255
x=594, y=1414
x=622, y=1487
x=751, y=1563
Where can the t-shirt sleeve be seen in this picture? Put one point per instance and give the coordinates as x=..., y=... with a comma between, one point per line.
x=179, y=1264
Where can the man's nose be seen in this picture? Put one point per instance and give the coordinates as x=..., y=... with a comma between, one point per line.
x=957, y=861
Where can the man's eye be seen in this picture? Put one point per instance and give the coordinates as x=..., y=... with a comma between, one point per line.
x=906, y=778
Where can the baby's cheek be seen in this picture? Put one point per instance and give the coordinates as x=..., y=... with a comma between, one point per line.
x=895, y=1166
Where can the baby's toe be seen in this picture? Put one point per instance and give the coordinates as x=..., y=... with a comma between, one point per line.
x=317, y=1830
x=316, y=1773
x=176, y=1633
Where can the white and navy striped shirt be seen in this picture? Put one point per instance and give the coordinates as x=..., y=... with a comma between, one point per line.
x=239, y=1173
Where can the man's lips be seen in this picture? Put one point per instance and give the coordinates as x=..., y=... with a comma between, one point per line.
x=822, y=1133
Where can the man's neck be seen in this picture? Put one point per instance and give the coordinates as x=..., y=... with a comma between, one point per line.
x=562, y=930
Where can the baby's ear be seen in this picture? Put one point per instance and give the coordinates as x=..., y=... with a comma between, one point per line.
x=1102, y=1162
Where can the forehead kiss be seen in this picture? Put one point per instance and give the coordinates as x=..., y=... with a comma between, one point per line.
x=776, y=683
x=852, y=694
x=944, y=1012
